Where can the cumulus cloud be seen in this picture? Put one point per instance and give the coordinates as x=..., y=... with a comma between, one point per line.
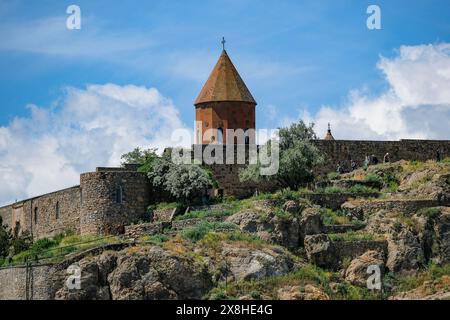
x=416, y=104
x=84, y=129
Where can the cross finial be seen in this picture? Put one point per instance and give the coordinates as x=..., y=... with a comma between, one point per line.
x=223, y=43
x=329, y=126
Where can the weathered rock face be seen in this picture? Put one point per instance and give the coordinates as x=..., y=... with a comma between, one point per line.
x=268, y=226
x=319, y=250
x=356, y=273
x=442, y=232
x=328, y=254
x=292, y=207
x=405, y=251
x=287, y=231
x=246, y=263
x=310, y=223
x=429, y=290
x=307, y=292
x=149, y=273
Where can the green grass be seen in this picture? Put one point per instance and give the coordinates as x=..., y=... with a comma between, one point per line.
x=58, y=247
x=399, y=283
x=309, y=274
x=351, y=236
x=165, y=205
x=155, y=239
x=431, y=212
x=374, y=178
x=333, y=175
x=330, y=217
x=199, y=231
x=357, y=188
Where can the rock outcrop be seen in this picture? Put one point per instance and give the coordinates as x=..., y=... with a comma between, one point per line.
x=149, y=273
x=356, y=273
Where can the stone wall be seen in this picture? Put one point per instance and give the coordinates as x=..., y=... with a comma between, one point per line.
x=46, y=215
x=345, y=150
x=22, y=283
x=325, y=253
x=357, y=208
x=42, y=281
x=112, y=200
x=334, y=201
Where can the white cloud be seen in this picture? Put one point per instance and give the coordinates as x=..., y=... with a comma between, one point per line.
x=86, y=128
x=415, y=105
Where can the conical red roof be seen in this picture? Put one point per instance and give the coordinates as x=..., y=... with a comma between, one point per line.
x=224, y=84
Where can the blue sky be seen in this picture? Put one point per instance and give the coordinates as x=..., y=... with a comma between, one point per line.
x=72, y=100
x=292, y=54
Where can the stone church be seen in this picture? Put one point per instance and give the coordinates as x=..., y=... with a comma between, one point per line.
x=108, y=199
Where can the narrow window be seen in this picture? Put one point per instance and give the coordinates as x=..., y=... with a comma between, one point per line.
x=220, y=136
x=35, y=215
x=119, y=194
x=57, y=210
x=247, y=137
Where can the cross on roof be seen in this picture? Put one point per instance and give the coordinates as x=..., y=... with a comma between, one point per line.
x=223, y=43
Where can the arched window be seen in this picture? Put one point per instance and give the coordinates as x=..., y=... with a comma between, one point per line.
x=220, y=136
x=35, y=215
x=247, y=136
x=57, y=210
x=119, y=194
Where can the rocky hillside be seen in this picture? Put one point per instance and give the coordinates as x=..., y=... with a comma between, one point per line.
x=309, y=244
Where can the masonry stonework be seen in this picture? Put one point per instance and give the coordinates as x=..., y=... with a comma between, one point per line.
x=343, y=151
x=112, y=200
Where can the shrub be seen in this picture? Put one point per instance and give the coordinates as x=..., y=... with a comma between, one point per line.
x=184, y=182
x=199, y=231
x=333, y=175
x=372, y=177
x=330, y=217
x=351, y=236
x=297, y=157
x=431, y=212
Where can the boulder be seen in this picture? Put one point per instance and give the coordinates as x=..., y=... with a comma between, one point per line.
x=405, y=250
x=319, y=250
x=356, y=273
x=247, y=263
x=268, y=226
x=292, y=207
x=310, y=222
x=140, y=274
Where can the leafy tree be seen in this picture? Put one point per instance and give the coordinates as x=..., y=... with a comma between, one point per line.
x=298, y=156
x=186, y=183
x=143, y=157
x=5, y=239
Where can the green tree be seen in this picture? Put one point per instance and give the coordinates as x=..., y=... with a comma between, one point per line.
x=5, y=239
x=298, y=157
x=186, y=183
x=137, y=156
